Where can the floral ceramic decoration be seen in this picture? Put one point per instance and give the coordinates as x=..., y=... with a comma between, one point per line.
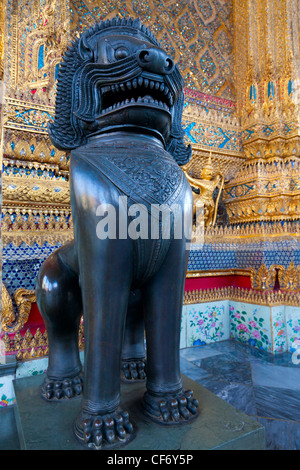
x=293, y=328
x=183, y=332
x=34, y=367
x=207, y=323
x=7, y=396
x=250, y=324
x=279, y=329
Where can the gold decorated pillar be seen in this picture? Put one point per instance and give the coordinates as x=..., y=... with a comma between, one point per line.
x=2, y=88
x=35, y=199
x=267, y=65
x=2, y=91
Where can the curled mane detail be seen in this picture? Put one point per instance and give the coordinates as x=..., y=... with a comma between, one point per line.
x=77, y=100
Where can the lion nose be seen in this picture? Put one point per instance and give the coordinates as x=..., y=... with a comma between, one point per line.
x=155, y=60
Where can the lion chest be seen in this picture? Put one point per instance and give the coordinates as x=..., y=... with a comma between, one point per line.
x=146, y=174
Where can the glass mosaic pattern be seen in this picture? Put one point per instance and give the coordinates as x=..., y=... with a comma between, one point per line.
x=197, y=34
x=243, y=256
x=21, y=264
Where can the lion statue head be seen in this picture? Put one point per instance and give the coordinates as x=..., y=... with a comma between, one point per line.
x=116, y=75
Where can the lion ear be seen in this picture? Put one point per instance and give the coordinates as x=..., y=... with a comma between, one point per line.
x=85, y=51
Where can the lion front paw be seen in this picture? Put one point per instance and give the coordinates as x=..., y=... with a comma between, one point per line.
x=133, y=371
x=107, y=431
x=177, y=409
x=53, y=390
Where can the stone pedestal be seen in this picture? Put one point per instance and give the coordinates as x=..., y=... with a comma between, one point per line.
x=48, y=426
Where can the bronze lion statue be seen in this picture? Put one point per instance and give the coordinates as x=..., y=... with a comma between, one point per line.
x=118, y=109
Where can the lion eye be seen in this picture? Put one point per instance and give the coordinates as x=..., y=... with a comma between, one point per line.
x=121, y=53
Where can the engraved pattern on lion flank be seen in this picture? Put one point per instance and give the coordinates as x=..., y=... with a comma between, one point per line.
x=160, y=177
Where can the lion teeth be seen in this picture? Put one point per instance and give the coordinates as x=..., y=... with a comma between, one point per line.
x=146, y=99
x=139, y=82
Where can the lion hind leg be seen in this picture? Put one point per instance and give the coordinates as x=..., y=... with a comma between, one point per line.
x=59, y=301
x=134, y=353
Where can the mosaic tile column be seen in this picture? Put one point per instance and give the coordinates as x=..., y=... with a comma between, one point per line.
x=2, y=92
x=267, y=187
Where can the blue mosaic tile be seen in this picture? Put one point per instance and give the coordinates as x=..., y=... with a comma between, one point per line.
x=251, y=255
x=25, y=251
x=20, y=273
x=20, y=264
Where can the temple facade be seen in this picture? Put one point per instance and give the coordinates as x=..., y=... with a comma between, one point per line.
x=240, y=60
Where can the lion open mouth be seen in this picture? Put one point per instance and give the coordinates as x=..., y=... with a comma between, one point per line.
x=139, y=91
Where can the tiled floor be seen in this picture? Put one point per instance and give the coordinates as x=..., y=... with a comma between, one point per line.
x=262, y=386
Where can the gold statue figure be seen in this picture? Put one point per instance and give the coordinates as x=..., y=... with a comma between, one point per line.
x=203, y=189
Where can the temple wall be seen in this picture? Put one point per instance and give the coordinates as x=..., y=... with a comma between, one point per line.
x=241, y=111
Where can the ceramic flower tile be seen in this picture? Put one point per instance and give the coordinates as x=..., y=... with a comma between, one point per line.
x=250, y=323
x=279, y=333
x=183, y=332
x=7, y=396
x=293, y=328
x=207, y=323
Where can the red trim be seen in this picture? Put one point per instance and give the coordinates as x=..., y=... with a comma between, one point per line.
x=210, y=282
x=35, y=320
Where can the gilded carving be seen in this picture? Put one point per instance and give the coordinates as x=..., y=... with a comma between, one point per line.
x=8, y=316
x=38, y=226
x=269, y=298
x=27, y=345
x=263, y=278
x=287, y=278
x=290, y=279
x=203, y=187
x=266, y=189
x=20, y=190
x=31, y=345
x=10, y=323
x=2, y=25
x=255, y=231
x=267, y=186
